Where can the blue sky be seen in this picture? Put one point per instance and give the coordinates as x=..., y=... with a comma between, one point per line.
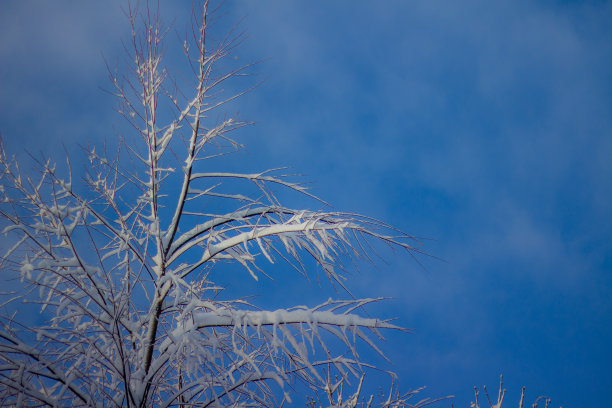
x=485, y=126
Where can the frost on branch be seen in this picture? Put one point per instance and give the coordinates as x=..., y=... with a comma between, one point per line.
x=124, y=269
x=502, y=394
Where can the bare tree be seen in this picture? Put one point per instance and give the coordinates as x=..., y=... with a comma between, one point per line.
x=124, y=269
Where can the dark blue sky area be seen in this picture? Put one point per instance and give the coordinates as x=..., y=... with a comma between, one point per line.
x=485, y=126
